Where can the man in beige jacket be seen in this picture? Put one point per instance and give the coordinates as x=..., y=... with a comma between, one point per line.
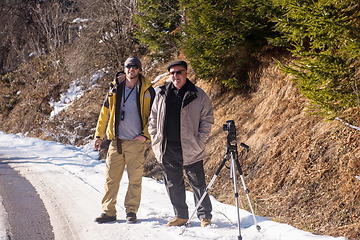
x=179, y=125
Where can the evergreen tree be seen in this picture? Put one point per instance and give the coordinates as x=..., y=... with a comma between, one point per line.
x=222, y=37
x=325, y=41
x=160, y=24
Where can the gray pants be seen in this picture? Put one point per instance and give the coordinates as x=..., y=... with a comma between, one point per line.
x=174, y=181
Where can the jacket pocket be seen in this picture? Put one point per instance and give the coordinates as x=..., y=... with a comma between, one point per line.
x=200, y=143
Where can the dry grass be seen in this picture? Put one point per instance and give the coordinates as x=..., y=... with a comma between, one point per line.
x=300, y=169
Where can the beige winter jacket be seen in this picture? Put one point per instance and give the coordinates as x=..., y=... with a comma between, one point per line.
x=196, y=120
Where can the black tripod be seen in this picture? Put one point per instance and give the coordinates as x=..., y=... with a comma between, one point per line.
x=232, y=154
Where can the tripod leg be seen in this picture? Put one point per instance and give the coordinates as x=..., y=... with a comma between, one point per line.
x=236, y=194
x=247, y=194
x=206, y=192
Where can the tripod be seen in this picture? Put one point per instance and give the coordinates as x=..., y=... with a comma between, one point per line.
x=232, y=154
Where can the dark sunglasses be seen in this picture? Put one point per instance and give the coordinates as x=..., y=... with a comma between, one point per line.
x=177, y=72
x=132, y=66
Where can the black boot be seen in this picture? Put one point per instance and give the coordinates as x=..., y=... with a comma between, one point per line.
x=105, y=218
x=131, y=217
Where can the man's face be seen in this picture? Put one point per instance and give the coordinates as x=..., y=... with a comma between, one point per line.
x=178, y=76
x=132, y=71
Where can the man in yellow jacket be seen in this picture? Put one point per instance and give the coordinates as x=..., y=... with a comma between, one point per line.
x=125, y=114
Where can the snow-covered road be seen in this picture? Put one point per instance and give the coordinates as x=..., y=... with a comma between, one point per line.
x=70, y=182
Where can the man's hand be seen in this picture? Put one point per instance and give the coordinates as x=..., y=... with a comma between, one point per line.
x=140, y=138
x=97, y=144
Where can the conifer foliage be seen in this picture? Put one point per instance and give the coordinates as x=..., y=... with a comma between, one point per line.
x=222, y=37
x=325, y=39
x=160, y=25
x=218, y=37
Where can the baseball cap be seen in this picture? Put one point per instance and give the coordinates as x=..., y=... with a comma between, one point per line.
x=133, y=61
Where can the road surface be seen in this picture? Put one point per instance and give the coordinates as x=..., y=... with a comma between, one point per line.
x=27, y=216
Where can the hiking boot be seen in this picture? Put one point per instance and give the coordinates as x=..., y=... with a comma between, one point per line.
x=176, y=222
x=131, y=217
x=205, y=222
x=105, y=218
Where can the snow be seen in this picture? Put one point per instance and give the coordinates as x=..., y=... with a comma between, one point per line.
x=79, y=20
x=70, y=182
x=347, y=124
x=160, y=77
x=75, y=91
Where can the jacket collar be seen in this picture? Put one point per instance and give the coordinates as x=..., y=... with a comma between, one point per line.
x=190, y=94
x=165, y=89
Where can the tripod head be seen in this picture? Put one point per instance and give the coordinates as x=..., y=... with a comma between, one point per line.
x=231, y=135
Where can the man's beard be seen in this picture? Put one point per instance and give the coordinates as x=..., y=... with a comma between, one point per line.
x=134, y=77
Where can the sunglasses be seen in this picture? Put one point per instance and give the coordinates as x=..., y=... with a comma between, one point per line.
x=177, y=72
x=132, y=66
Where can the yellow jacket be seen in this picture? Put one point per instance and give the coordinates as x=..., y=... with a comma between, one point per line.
x=109, y=118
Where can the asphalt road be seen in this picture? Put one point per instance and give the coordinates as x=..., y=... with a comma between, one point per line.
x=27, y=215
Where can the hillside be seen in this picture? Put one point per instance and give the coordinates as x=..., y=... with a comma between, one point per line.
x=300, y=169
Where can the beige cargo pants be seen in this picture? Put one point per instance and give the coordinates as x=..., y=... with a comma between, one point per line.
x=133, y=158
